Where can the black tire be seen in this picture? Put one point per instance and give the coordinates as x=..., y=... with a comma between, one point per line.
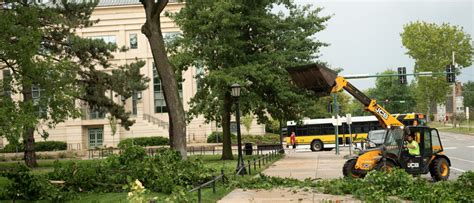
x=388, y=166
x=317, y=145
x=439, y=169
x=328, y=149
x=348, y=169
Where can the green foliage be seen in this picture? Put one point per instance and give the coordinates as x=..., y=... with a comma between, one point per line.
x=26, y=185
x=42, y=52
x=144, y=141
x=319, y=109
x=268, y=182
x=431, y=46
x=217, y=137
x=245, y=42
x=261, y=139
x=389, y=93
x=468, y=94
x=380, y=186
x=247, y=122
x=163, y=172
x=273, y=126
x=39, y=147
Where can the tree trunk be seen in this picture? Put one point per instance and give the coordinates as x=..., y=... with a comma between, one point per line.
x=28, y=133
x=152, y=30
x=226, y=142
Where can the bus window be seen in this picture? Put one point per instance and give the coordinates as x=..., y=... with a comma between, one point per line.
x=301, y=131
x=314, y=130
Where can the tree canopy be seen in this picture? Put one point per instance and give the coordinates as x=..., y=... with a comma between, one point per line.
x=246, y=42
x=47, y=68
x=468, y=94
x=431, y=46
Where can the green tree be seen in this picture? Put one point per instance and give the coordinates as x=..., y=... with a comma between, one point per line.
x=47, y=68
x=247, y=121
x=468, y=94
x=432, y=46
x=245, y=42
x=393, y=96
x=322, y=106
x=152, y=30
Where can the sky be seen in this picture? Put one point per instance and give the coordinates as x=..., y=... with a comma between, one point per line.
x=364, y=35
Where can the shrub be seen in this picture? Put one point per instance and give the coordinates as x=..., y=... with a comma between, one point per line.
x=50, y=146
x=217, y=137
x=163, y=172
x=26, y=185
x=39, y=147
x=144, y=141
x=261, y=139
x=380, y=186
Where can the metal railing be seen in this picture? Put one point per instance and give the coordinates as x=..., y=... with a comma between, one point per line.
x=155, y=121
x=211, y=182
x=262, y=161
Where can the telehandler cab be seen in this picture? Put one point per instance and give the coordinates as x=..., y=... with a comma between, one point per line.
x=324, y=81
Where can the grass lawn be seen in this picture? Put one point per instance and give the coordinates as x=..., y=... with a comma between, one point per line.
x=211, y=161
x=459, y=130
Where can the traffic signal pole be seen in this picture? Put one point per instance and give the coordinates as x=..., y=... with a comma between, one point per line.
x=360, y=76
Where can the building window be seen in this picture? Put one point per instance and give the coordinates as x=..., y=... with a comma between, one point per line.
x=233, y=127
x=160, y=103
x=7, y=80
x=199, y=77
x=134, y=103
x=169, y=36
x=97, y=113
x=133, y=41
x=36, y=95
x=96, y=137
x=106, y=38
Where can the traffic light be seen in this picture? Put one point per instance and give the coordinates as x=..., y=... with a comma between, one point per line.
x=402, y=77
x=450, y=73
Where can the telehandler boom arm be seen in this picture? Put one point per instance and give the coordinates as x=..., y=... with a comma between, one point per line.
x=323, y=81
x=385, y=118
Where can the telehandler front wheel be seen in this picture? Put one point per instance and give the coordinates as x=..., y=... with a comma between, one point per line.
x=349, y=171
x=439, y=169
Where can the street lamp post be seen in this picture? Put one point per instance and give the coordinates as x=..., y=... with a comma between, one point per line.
x=240, y=162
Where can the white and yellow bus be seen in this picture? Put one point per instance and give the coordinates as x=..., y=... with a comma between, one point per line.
x=319, y=134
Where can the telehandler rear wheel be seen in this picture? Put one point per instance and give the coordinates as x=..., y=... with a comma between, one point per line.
x=388, y=166
x=439, y=169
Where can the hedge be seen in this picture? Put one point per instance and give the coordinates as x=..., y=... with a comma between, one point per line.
x=39, y=147
x=144, y=141
x=216, y=137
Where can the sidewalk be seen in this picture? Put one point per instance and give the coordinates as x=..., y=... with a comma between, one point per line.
x=300, y=164
x=303, y=163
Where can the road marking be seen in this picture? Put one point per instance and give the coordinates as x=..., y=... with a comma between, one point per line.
x=457, y=169
x=461, y=159
x=449, y=147
x=470, y=146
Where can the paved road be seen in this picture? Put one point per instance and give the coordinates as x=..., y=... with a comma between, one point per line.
x=460, y=150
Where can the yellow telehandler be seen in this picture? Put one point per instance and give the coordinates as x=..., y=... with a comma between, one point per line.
x=392, y=153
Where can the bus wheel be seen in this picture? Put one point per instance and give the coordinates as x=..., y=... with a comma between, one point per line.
x=317, y=145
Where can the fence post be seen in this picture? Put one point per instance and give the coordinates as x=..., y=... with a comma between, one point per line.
x=249, y=167
x=222, y=173
x=199, y=195
x=259, y=165
x=214, y=185
x=254, y=165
